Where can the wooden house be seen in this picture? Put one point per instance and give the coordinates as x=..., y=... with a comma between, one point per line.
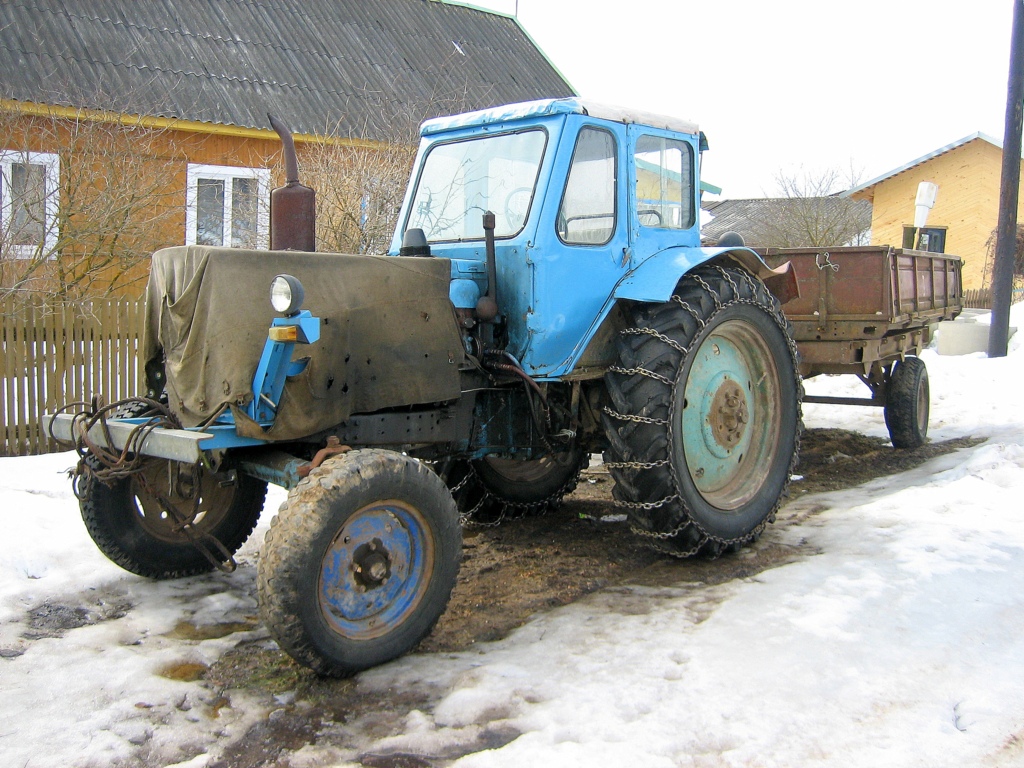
x=127, y=126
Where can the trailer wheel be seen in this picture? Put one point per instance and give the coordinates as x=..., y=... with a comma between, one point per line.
x=131, y=525
x=704, y=426
x=360, y=562
x=907, y=403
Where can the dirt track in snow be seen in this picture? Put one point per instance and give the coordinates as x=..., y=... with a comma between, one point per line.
x=522, y=567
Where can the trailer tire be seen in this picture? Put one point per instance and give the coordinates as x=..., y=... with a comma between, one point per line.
x=907, y=403
x=129, y=525
x=717, y=365
x=360, y=562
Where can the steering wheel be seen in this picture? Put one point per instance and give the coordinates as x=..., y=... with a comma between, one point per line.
x=649, y=212
x=517, y=205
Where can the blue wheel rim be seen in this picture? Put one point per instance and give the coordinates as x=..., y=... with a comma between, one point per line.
x=376, y=570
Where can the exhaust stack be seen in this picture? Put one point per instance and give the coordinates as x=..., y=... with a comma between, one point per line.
x=293, y=206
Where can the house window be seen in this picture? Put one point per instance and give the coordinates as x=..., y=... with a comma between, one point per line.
x=29, y=198
x=227, y=206
x=664, y=182
x=587, y=214
x=931, y=239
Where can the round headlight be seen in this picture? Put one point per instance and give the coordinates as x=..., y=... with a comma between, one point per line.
x=286, y=294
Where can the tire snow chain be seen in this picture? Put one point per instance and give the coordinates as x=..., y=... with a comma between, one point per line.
x=705, y=537
x=198, y=539
x=640, y=372
x=636, y=464
x=654, y=540
x=658, y=335
x=631, y=417
x=116, y=466
x=508, y=509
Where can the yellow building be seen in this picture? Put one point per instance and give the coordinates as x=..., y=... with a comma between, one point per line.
x=966, y=210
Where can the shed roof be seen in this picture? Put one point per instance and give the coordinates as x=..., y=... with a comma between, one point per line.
x=924, y=159
x=338, y=67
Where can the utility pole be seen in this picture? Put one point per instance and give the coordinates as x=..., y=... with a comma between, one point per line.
x=1009, y=192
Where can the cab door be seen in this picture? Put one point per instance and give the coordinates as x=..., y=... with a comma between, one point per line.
x=663, y=197
x=581, y=250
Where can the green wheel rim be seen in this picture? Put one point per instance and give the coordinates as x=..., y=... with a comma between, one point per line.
x=730, y=415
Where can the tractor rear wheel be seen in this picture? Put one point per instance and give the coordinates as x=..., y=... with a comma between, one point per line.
x=705, y=421
x=491, y=489
x=360, y=562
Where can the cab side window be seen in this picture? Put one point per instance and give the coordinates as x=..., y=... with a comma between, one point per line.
x=587, y=213
x=664, y=182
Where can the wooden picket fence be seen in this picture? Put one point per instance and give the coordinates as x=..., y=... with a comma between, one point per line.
x=981, y=298
x=54, y=354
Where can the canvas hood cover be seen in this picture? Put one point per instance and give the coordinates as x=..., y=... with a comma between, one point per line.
x=388, y=334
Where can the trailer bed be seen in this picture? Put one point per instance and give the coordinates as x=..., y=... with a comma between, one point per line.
x=865, y=304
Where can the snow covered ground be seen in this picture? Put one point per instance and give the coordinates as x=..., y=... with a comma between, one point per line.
x=897, y=639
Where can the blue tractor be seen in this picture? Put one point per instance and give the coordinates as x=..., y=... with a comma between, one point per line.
x=546, y=297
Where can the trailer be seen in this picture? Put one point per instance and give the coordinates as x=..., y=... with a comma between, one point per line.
x=868, y=311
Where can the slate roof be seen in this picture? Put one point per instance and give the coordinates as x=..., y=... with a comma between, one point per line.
x=748, y=216
x=344, y=67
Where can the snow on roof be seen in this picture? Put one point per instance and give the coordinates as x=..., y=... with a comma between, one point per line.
x=545, y=107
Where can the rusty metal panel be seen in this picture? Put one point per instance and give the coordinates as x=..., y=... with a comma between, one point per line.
x=868, y=292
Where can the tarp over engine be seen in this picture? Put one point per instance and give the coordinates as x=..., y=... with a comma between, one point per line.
x=389, y=336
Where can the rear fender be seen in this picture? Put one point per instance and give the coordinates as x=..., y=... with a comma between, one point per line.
x=652, y=282
x=655, y=279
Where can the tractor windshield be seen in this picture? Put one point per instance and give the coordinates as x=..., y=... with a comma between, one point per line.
x=461, y=180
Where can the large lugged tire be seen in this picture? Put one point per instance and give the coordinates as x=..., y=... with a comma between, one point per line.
x=130, y=525
x=705, y=422
x=360, y=562
x=907, y=403
x=490, y=489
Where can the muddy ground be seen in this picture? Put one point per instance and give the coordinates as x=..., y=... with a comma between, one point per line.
x=522, y=567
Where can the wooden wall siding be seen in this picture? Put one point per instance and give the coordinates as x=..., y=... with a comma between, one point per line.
x=169, y=152
x=51, y=355
x=967, y=203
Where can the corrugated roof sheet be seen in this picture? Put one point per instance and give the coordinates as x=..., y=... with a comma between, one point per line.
x=746, y=216
x=347, y=67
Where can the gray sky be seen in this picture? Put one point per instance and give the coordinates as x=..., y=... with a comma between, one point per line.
x=797, y=85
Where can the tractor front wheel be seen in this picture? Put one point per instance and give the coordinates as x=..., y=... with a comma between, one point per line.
x=137, y=521
x=360, y=562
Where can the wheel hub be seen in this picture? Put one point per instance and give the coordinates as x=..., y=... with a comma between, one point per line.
x=729, y=415
x=371, y=564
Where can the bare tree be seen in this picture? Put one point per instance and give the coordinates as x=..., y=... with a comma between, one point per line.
x=360, y=184
x=810, y=211
x=83, y=213
x=1018, y=259
x=359, y=191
